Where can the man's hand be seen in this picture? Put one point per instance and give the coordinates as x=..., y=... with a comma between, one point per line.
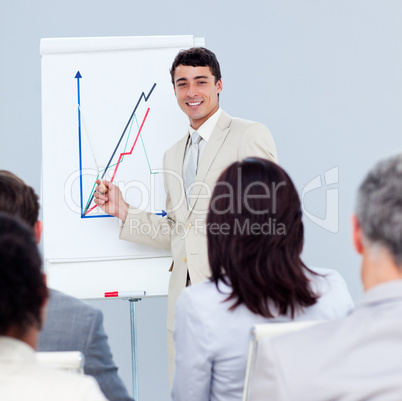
x=110, y=199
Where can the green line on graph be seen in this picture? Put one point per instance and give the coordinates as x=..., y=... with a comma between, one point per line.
x=143, y=145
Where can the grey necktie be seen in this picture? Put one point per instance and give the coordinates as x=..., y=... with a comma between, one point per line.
x=191, y=171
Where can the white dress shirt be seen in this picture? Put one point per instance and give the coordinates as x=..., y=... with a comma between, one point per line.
x=212, y=342
x=205, y=131
x=21, y=378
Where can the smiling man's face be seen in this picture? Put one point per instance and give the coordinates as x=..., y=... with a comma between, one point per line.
x=197, y=93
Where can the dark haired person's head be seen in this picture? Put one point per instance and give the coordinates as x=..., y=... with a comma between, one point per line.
x=19, y=199
x=197, y=57
x=255, y=238
x=197, y=83
x=22, y=288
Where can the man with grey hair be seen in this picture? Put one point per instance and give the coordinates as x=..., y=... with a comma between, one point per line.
x=357, y=357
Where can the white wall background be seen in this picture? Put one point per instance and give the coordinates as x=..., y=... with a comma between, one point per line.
x=324, y=76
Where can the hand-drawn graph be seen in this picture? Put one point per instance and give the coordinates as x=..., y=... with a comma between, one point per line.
x=131, y=138
x=118, y=93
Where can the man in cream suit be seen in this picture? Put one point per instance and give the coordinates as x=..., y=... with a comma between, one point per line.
x=357, y=357
x=219, y=141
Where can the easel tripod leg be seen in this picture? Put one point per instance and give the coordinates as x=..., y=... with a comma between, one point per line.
x=134, y=347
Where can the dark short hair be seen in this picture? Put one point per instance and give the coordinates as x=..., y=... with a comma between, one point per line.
x=18, y=198
x=255, y=238
x=22, y=288
x=197, y=57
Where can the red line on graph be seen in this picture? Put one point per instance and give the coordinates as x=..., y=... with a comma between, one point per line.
x=131, y=151
x=92, y=208
x=125, y=154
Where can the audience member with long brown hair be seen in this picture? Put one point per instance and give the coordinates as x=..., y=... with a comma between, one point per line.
x=255, y=239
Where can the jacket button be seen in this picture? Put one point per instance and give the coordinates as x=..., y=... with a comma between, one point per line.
x=184, y=259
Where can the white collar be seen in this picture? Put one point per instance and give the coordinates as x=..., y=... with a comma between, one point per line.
x=14, y=349
x=205, y=130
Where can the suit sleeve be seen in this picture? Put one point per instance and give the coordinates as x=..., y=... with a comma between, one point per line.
x=148, y=228
x=257, y=141
x=99, y=362
x=193, y=361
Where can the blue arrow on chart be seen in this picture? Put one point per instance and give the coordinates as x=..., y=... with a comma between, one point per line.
x=78, y=76
x=163, y=213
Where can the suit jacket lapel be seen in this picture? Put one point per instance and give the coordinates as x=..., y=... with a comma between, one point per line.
x=178, y=195
x=215, y=142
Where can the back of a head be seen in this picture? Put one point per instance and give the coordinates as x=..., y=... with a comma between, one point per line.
x=255, y=238
x=18, y=198
x=197, y=57
x=22, y=288
x=379, y=206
